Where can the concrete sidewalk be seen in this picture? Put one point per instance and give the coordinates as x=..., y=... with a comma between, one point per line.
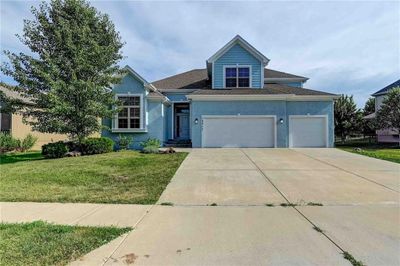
x=87, y=214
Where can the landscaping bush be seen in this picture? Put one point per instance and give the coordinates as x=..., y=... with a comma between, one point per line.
x=151, y=142
x=150, y=145
x=97, y=146
x=150, y=149
x=72, y=146
x=55, y=149
x=8, y=143
x=27, y=143
x=123, y=142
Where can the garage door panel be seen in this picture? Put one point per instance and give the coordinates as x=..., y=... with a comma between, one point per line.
x=238, y=131
x=309, y=131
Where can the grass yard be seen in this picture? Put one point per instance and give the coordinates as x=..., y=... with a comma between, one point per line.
x=117, y=177
x=20, y=157
x=388, y=152
x=40, y=243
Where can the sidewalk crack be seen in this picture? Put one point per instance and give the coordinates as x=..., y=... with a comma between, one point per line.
x=128, y=234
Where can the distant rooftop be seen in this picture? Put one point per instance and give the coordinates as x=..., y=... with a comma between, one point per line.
x=387, y=88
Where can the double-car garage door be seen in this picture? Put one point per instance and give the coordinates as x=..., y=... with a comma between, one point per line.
x=238, y=131
x=248, y=131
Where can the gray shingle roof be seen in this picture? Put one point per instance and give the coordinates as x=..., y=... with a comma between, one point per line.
x=198, y=78
x=193, y=79
x=270, y=73
x=269, y=89
x=387, y=88
x=13, y=95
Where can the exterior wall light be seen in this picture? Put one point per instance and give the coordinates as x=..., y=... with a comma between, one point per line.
x=281, y=121
x=196, y=121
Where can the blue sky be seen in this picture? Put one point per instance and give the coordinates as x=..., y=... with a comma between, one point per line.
x=343, y=47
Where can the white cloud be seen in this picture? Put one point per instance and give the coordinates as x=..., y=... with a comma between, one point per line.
x=344, y=47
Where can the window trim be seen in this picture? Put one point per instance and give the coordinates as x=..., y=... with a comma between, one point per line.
x=142, y=128
x=237, y=66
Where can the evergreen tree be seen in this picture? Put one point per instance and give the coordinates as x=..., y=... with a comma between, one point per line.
x=388, y=115
x=347, y=117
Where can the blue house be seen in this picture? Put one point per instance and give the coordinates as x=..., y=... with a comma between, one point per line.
x=234, y=102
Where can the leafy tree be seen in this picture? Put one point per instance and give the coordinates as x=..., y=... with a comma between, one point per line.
x=369, y=125
x=75, y=51
x=388, y=115
x=10, y=105
x=369, y=106
x=347, y=117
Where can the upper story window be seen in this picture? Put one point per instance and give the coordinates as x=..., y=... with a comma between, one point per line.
x=237, y=77
x=129, y=116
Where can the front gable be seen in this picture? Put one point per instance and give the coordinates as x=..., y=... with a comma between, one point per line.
x=237, y=53
x=130, y=83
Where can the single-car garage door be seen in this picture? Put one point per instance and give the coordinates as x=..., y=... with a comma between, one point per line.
x=238, y=131
x=308, y=131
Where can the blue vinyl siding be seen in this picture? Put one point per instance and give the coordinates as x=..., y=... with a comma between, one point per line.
x=280, y=109
x=153, y=115
x=129, y=84
x=237, y=55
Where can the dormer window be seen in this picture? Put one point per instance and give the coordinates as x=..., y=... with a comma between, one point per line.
x=237, y=77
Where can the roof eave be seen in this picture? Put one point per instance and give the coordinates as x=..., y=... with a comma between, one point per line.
x=262, y=97
x=286, y=79
x=379, y=93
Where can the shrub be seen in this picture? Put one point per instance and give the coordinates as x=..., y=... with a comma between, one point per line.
x=97, y=145
x=28, y=142
x=124, y=142
x=8, y=143
x=151, y=142
x=55, y=149
x=72, y=146
x=150, y=149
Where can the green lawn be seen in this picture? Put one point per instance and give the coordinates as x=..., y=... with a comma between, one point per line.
x=117, y=177
x=20, y=157
x=40, y=243
x=388, y=152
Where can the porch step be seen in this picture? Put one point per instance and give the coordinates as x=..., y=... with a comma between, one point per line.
x=178, y=143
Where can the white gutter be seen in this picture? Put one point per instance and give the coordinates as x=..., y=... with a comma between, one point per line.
x=267, y=80
x=258, y=97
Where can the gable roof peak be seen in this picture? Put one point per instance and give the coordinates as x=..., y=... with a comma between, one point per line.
x=146, y=84
x=247, y=46
x=135, y=74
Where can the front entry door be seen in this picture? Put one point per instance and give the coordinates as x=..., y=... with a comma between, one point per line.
x=183, y=126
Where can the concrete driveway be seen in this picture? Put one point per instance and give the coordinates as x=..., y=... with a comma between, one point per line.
x=360, y=212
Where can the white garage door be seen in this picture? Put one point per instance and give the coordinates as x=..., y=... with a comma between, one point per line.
x=238, y=131
x=307, y=131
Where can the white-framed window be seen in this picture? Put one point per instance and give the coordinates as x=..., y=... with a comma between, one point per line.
x=130, y=115
x=237, y=76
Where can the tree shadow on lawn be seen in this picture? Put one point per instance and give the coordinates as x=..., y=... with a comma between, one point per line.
x=16, y=157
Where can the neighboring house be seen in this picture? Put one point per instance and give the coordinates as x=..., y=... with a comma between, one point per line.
x=12, y=123
x=384, y=135
x=234, y=102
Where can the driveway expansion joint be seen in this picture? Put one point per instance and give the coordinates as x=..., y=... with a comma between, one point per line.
x=293, y=205
x=347, y=171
